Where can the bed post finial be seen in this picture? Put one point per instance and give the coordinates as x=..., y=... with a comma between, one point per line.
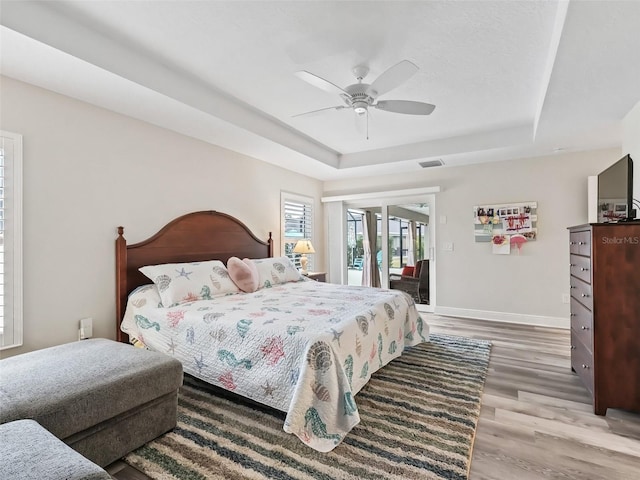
x=120, y=231
x=270, y=242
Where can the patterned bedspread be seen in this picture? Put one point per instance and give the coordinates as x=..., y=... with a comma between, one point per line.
x=305, y=348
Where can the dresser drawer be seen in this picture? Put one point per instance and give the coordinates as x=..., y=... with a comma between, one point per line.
x=582, y=362
x=581, y=291
x=582, y=323
x=580, y=267
x=580, y=242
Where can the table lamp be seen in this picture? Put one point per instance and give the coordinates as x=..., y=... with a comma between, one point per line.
x=303, y=247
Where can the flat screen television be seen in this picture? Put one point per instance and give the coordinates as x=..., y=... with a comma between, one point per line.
x=615, y=192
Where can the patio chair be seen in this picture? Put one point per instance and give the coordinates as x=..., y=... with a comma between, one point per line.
x=416, y=285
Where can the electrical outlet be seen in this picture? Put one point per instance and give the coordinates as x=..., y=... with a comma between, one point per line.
x=566, y=298
x=86, y=328
x=447, y=246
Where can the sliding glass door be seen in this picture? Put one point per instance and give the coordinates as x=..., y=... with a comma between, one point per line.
x=402, y=234
x=408, y=249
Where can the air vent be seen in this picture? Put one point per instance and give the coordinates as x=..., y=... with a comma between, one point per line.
x=431, y=163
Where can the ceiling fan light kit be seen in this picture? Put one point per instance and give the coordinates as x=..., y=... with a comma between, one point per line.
x=357, y=98
x=360, y=96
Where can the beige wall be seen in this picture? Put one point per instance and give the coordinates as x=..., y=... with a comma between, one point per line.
x=470, y=280
x=88, y=170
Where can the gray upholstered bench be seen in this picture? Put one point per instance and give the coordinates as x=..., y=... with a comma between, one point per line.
x=29, y=452
x=102, y=398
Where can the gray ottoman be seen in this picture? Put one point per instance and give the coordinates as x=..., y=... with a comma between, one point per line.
x=29, y=452
x=102, y=398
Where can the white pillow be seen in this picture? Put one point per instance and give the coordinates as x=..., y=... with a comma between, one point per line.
x=277, y=270
x=189, y=282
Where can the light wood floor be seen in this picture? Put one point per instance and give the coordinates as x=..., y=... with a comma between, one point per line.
x=536, y=421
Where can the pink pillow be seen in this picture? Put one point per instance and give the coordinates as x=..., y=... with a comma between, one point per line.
x=244, y=274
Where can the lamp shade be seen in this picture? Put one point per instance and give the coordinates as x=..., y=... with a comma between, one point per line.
x=303, y=246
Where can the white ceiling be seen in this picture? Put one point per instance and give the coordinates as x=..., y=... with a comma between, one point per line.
x=509, y=79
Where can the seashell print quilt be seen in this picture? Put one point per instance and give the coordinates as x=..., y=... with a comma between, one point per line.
x=305, y=348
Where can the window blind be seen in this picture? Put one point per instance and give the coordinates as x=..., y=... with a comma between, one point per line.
x=10, y=240
x=2, y=235
x=297, y=215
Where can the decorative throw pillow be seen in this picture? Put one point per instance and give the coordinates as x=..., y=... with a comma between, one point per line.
x=407, y=271
x=244, y=274
x=189, y=282
x=277, y=270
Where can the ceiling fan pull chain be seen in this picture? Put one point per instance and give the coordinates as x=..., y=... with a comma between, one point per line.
x=367, y=124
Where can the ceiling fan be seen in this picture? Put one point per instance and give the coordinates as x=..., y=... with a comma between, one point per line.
x=360, y=96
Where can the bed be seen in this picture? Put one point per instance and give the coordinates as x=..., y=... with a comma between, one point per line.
x=299, y=346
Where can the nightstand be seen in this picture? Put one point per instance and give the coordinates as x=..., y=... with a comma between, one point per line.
x=317, y=276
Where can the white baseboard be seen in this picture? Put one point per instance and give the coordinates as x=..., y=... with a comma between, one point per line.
x=424, y=308
x=539, y=320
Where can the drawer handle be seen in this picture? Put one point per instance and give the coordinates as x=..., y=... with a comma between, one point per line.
x=582, y=243
x=585, y=366
x=572, y=286
x=572, y=243
x=572, y=264
x=573, y=347
x=584, y=295
x=572, y=314
x=585, y=328
x=583, y=269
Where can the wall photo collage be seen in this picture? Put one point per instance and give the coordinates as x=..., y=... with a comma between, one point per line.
x=506, y=226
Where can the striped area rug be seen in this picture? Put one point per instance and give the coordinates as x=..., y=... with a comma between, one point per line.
x=418, y=421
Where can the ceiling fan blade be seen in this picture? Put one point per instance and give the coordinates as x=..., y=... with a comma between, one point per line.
x=339, y=107
x=391, y=78
x=405, y=106
x=319, y=82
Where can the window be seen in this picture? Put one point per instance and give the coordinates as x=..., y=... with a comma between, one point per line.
x=10, y=240
x=297, y=224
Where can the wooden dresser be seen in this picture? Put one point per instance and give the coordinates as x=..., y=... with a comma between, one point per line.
x=605, y=312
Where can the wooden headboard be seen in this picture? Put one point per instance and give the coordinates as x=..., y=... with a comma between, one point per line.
x=194, y=237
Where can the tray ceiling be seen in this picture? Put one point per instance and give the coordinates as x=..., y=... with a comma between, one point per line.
x=509, y=79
